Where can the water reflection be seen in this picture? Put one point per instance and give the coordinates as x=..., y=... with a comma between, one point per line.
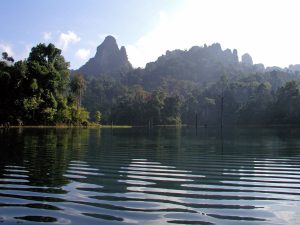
x=157, y=176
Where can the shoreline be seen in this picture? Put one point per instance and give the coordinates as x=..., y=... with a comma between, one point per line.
x=132, y=126
x=66, y=126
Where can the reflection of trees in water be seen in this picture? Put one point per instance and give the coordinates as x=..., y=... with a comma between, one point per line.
x=11, y=143
x=115, y=152
x=181, y=148
x=11, y=148
x=45, y=153
x=178, y=148
x=147, y=163
x=49, y=152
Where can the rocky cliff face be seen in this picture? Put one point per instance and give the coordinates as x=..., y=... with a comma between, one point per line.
x=247, y=60
x=108, y=60
x=294, y=68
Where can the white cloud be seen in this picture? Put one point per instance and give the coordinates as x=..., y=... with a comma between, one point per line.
x=83, y=53
x=7, y=48
x=26, y=51
x=47, y=36
x=67, y=38
x=267, y=31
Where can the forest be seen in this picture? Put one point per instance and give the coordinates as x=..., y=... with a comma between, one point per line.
x=39, y=91
x=204, y=83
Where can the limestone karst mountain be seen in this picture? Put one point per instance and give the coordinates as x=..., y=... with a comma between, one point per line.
x=109, y=60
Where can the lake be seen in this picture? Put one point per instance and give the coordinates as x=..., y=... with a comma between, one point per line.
x=150, y=176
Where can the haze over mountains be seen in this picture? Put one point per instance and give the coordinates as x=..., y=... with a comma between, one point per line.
x=207, y=81
x=198, y=64
x=109, y=59
x=180, y=83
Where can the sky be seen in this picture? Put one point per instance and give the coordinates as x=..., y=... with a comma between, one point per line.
x=266, y=29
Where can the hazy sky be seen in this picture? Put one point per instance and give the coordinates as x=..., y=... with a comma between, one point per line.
x=268, y=30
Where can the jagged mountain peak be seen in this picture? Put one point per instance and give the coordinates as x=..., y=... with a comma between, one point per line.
x=108, y=60
x=110, y=38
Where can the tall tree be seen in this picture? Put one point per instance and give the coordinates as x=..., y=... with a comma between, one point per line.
x=47, y=80
x=78, y=86
x=98, y=117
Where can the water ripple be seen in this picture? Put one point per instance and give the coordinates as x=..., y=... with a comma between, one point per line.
x=149, y=181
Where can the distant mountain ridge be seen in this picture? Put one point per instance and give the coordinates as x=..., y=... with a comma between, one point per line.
x=180, y=83
x=200, y=65
x=109, y=59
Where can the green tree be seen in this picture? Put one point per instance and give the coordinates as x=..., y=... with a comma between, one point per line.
x=287, y=106
x=78, y=86
x=37, y=90
x=171, y=111
x=47, y=79
x=7, y=58
x=80, y=116
x=257, y=110
x=98, y=117
x=155, y=106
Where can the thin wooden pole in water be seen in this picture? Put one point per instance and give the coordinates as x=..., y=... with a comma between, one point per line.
x=111, y=128
x=196, y=123
x=222, y=108
x=222, y=141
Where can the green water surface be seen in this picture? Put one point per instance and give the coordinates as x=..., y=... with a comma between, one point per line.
x=150, y=176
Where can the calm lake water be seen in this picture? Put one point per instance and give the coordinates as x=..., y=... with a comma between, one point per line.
x=141, y=176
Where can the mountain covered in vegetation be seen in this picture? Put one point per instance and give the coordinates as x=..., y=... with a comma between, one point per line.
x=215, y=86
x=202, y=80
x=109, y=59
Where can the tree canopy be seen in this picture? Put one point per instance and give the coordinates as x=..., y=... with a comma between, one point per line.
x=203, y=81
x=36, y=90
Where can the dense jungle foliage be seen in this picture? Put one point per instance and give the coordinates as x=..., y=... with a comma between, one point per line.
x=206, y=83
